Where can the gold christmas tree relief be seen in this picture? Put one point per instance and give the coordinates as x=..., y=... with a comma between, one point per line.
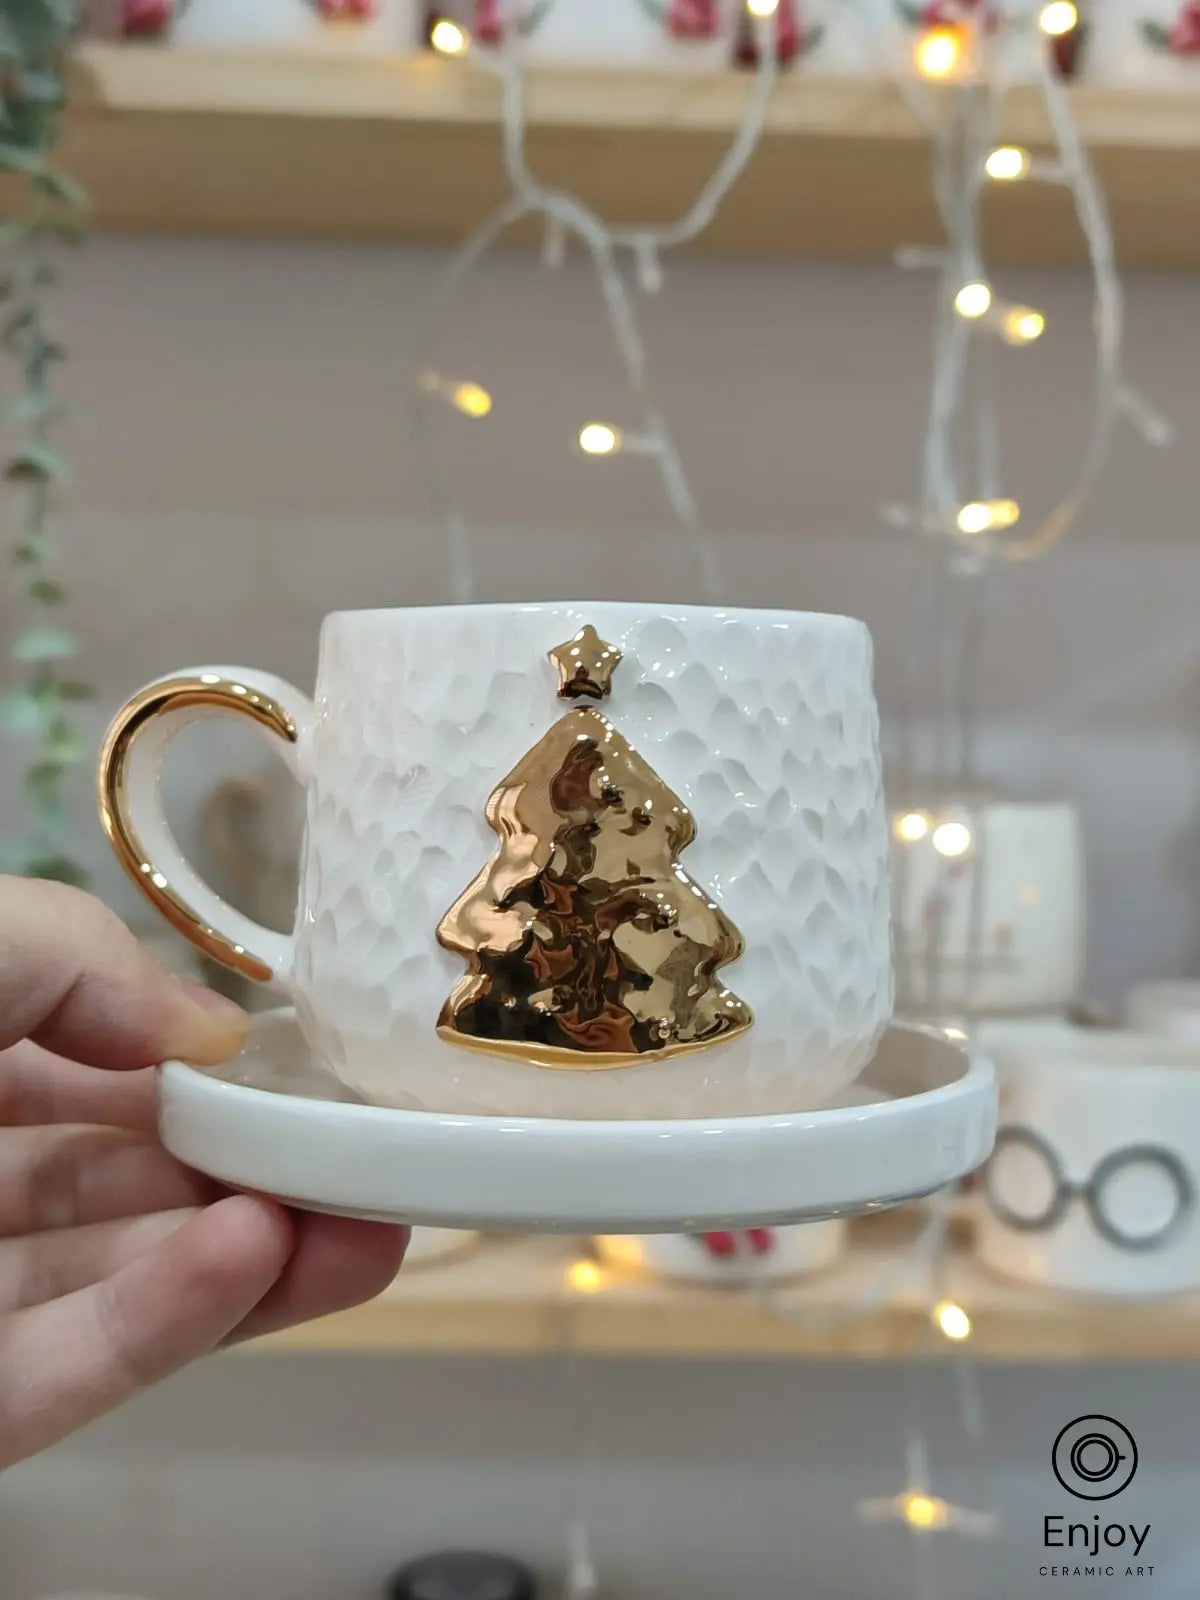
x=587, y=944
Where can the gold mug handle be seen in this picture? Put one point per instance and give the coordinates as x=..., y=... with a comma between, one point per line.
x=131, y=809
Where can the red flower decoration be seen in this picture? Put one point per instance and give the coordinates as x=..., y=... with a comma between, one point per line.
x=346, y=10
x=956, y=13
x=721, y=1245
x=145, y=19
x=693, y=19
x=724, y=1246
x=1184, y=37
x=488, y=24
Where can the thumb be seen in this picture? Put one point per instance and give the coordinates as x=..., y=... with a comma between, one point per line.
x=73, y=978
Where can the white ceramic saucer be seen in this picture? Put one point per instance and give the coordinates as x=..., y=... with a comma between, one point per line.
x=275, y=1120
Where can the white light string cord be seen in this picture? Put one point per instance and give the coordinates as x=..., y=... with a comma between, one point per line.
x=967, y=505
x=564, y=215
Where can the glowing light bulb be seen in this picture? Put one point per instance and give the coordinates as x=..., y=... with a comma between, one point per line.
x=951, y=1318
x=911, y=827
x=924, y=1511
x=1006, y=163
x=472, y=399
x=973, y=300
x=762, y=8
x=448, y=38
x=1004, y=513
x=598, y=439
x=1022, y=325
x=939, y=52
x=974, y=517
x=1058, y=17
x=951, y=839
x=585, y=1277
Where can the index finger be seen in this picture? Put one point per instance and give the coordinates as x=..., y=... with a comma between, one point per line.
x=74, y=979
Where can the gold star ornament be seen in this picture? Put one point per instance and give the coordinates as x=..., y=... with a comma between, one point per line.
x=585, y=665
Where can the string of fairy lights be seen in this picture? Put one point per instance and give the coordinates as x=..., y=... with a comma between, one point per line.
x=967, y=519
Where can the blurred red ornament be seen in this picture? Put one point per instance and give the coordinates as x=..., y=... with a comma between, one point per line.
x=721, y=1245
x=346, y=10
x=954, y=13
x=724, y=1246
x=789, y=37
x=488, y=24
x=1185, y=34
x=693, y=19
x=145, y=19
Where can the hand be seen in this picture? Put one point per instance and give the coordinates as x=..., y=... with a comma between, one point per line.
x=118, y=1265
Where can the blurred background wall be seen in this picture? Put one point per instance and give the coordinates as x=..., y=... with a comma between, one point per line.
x=245, y=464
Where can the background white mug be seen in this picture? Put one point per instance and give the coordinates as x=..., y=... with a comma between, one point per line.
x=763, y=723
x=988, y=901
x=1093, y=1181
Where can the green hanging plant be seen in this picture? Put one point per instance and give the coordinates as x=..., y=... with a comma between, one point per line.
x=36, y=707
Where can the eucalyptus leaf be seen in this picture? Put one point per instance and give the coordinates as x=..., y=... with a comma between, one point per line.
x=43, y=782
x=42, y=84
x=15, y=856
x=64, y=745
x=20, y=712
x=16, y=157
x=47, y=591
x=35, y=462
x=63, y=229
x=43, y=644
x=58, y=869
x=51, y=181
x=75, y=689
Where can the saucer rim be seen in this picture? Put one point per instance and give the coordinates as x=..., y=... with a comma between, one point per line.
x=465, y=1170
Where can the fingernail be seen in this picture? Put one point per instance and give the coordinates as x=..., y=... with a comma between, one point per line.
x=220, y=1027
x=218, y=1005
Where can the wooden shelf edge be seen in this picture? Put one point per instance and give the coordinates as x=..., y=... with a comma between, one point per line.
x=510, y=1298
x=421, y=88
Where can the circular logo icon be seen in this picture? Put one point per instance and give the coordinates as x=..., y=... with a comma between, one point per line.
x=1094, y=1458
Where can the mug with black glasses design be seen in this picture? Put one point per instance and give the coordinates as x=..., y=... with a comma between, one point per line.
x=1092, y=1184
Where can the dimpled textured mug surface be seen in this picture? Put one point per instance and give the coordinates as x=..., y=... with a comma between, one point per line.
x=764, y=723
x=767, y=992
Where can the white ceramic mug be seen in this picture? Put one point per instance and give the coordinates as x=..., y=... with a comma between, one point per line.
x=988, y=900
x=440, y=964
x=1171, y=1009
x=371, y=26
x=1093, y=1181
x=683, y=33
x=1147, y=44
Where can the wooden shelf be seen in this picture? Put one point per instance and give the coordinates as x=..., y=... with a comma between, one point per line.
x=510, y=1296
x=190, y=141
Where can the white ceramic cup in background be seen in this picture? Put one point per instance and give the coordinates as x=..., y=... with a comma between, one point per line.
x=988, y=901
x=1171, y=1009
x=760, y=1255
x=385, y=26
x=1152, y=44
x=624, y=32
x=761, y=723
x=1093, y=1181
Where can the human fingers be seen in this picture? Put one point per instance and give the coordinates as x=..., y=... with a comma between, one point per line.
x=45, y=1266
x=38, y=1088
x=74, y=979
x=337, y=1262
x=66, y=1362
x=66, y=1177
